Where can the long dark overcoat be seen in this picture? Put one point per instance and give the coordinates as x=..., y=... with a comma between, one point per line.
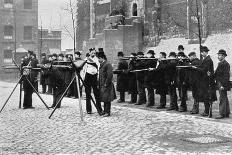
x=207, y=85
x=132, y=83
x=107, y=90
x=222, y=75
x=122, y=77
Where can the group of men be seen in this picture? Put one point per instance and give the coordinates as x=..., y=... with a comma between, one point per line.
x=59, y=72
x=178, y=71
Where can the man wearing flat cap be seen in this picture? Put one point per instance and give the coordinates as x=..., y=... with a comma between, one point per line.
x=148, y=79
x=140, y=80
x=193, y=78
x=31, y=75
x=222, y=76
x=122, y=80
x=171, y=81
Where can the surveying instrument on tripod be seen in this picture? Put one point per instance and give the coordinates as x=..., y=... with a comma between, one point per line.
x=28, y=75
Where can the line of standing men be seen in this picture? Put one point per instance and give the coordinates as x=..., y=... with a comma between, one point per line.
x=165, y=76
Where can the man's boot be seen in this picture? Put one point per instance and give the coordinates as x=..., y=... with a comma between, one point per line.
x=195, y=109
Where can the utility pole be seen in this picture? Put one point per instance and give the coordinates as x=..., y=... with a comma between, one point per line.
x=199, y=26
x=15, y=32
x=41, y=41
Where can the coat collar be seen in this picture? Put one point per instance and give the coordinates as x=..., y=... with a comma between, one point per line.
x=102, y=64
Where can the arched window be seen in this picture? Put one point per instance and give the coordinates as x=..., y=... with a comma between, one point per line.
x=134, y=10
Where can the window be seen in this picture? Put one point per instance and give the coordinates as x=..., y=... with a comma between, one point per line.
x=8, y=4
x=134, y=10
x=27, y=4
x=8, y=32
x=7, y=56
x=27, y=35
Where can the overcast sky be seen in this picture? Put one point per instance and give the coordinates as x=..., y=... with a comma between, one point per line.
x=53, y=16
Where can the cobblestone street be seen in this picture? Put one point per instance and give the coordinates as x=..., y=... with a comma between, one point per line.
x=128, y=131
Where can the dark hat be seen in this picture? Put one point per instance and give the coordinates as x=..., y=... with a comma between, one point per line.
x=54, y=55
x=43, y=54
x=34, y=55
x=223, y=52
x=140, y=53
x=134, y=54
x=163, y=54
x=101, y=55
x=181, y=54
x=77, y=53
x=151, y=52
x=191, y=54
x=61, y=55
x=180, y=47
x=100, y=50
x=204, y=49
x=30, y=52
x=120, y=53
x=91, y=49
x=172, y=54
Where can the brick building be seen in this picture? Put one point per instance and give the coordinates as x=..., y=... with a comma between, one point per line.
x=18, y=27
x=49, y=41
x=133, y=25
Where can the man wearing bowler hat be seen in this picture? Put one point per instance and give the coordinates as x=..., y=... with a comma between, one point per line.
x=207, y=91
x=222, y=76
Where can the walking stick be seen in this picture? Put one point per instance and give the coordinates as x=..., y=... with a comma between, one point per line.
x=210, y=97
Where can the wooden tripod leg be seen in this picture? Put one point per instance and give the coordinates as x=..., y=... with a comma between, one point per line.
x=79, y=96
x=62, y=97
x=11, y=94
x=37, y=93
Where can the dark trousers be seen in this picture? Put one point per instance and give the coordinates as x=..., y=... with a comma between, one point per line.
x=224, y=107
x=173, y=96
x=183, y=96
x=44, y=88
x=122, y=96
x=91, y=83
x=151, y=96
x=141, y=92
x=133, y=97
x=27, y=101
x=57, y=94
x=206, y=104
x=107, y=107
x=163, y=100
x=49, y=89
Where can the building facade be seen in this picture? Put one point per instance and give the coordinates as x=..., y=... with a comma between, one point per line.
x=49, y=42
x=18, y=27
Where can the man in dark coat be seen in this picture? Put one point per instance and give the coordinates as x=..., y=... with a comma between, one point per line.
x=160, y=80
x=149, y=77
x=222, y=75
x=206, y=84
x=182, y=75
x=140, y=64
x=193, y=78
x=132, y=83
x=107, y=91
x=171, y=81
x=122, y=79
x=31, y=75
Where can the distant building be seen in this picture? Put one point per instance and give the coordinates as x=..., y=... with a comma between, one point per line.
x=18, y=26
x=49, y=41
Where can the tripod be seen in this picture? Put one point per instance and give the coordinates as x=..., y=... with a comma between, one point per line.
x=20, y=82
x=78, y=78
